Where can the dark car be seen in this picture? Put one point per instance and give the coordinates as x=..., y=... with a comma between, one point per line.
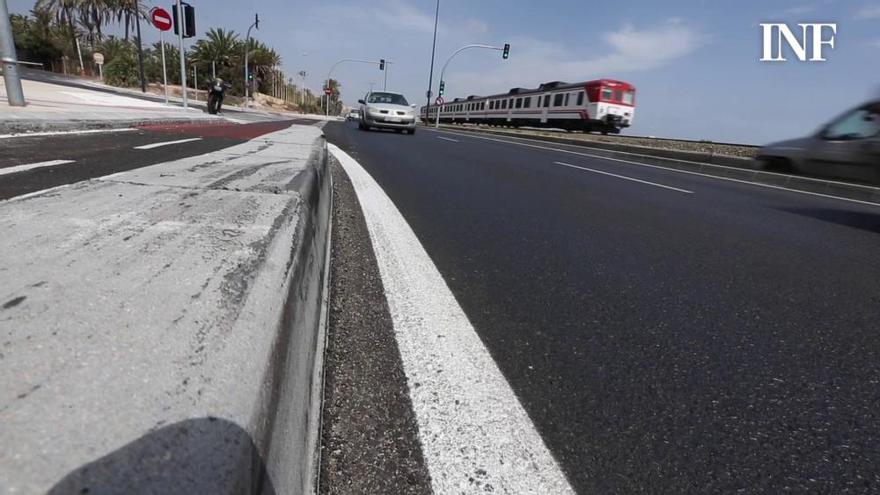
x=846, y=148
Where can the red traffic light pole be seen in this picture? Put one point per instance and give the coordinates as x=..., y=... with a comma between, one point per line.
x=505, y=49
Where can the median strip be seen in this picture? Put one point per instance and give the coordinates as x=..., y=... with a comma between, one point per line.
x=30, y=166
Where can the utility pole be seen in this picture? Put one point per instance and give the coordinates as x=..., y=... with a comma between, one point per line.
x=14, y=93
x=247, y=48
x=433, y=50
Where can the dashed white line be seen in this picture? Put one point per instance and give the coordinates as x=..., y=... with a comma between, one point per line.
x=165, y=143
x=31, y=166
x=623, y=177
x=471, y=425
x=448, y=139
x=709, y=176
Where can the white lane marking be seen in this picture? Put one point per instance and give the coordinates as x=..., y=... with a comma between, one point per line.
x=623, y=177
x=469, y=418
x=729, y=179
x=448, y=139
x=165, y=143
x=35, y=193
x=31, y=166
x=62, y=133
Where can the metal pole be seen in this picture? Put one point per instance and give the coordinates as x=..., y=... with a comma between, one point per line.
x=195, y=82
x=247, y=49
x=14, y=93
x=137, y=23
x=433, y=49
x=180, y=28
x=164, y=70
x=213, y=69
x=82, y=68
x=385, y=85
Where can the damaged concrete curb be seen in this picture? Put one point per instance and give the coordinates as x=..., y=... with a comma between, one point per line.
x=168, y=325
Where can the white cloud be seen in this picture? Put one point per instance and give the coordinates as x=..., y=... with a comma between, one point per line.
x=628, y=49
x=801, y=9
x=868, y=12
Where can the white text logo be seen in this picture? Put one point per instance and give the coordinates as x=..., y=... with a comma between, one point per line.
x=811, y=37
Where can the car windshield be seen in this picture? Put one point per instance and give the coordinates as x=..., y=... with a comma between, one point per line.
x=392, y=98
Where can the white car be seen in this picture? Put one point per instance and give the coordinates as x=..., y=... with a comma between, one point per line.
x=387, y=110
x=353, y=115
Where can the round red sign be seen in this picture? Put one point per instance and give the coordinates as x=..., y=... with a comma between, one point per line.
x=161, y=18
x=439, y=100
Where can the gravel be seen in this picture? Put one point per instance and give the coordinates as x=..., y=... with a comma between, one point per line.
x=370, y=439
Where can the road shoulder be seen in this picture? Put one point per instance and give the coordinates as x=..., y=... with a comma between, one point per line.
x=370, y=439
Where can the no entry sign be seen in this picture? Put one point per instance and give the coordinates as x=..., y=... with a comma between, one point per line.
x=161, y=18
x=439, y=100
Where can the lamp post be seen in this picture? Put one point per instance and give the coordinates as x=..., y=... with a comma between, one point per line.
x=443, y=71
x=433, y=50
x=247, y=48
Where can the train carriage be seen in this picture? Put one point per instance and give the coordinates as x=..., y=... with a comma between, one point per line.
x=603, y=105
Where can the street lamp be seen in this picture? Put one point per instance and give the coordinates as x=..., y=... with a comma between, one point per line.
x=247, y=48
x=505, y=49
x=433, y=49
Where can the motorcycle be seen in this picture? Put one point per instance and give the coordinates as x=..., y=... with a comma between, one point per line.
x=215, y=96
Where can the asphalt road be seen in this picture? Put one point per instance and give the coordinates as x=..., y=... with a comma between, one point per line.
x=666, y=333
x=85, y=156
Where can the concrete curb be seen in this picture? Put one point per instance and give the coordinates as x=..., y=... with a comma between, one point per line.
x=741, y=169
x=24, y=127
x=180, y=348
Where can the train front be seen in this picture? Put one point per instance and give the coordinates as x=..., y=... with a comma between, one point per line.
x=613, y=104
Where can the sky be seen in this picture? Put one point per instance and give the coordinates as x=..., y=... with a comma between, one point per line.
x=694, y=62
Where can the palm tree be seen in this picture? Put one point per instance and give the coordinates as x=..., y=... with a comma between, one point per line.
x=219, y=46
x=63, y=12
x=125, y=11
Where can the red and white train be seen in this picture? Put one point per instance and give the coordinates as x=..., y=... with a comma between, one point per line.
x=603, y=105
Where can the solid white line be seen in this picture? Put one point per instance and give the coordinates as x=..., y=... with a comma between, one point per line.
x=448, y=139
x=729, y=179
x=62, y=133
x=624, y=177
x=165, y=143
x=30, y=166
x=470, y=421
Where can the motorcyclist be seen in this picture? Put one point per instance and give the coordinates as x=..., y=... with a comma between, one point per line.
x=216, y=90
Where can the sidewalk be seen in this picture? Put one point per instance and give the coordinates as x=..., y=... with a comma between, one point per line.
x=55, y=107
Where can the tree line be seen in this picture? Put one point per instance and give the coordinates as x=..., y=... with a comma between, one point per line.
x=62, y=35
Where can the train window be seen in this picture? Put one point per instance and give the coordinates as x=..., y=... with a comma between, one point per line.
x=580, y=98
x=547, y=100
x=618, y=95
x=519, y=103
x=557, y=99
x=527, y=102
x=628, y=97
x=483, y=105
x=606, y=94
x=566, y=98
x=491, y=105
x=504, y=104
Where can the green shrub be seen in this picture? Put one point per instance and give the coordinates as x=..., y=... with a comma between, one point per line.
x=122, y=71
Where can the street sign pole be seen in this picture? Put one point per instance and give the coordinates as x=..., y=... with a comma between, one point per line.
x=14, y=93
x=137, y=23
x=181, y=26
x=164, y=70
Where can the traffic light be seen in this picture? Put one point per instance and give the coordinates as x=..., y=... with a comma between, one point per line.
x=189, y=20
x=442, y=88
x=382, y=64
x=506, y=53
